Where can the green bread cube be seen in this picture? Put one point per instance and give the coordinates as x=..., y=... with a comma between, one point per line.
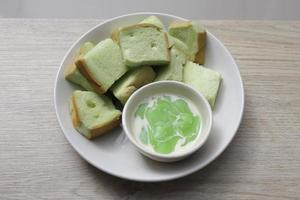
x=72, y=73
x=193, y=35
x=93, y=114
x=131, y=81
x=86, y=47
x=174, y=42
x=154, y=21
x=103, y=65
x=206, y=81
x=174, y=70
x=144, y=44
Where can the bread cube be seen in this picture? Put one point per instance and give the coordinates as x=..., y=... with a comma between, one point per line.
x=103, y=65
x=93, y=114
x=193, y=35
x=144, y=44
x=131, y=81
x=174, y=70
x=206, y=81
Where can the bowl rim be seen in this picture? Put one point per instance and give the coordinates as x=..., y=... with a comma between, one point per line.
x=93, y=163
x=127, y=112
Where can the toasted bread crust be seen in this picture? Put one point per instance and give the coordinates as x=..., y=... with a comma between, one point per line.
x=200, y=55
x=115, y=35
x=167, y=47
x=80, y=63
x=97, y=131
x=71, y=68
x=144, y=25
x=74, y=113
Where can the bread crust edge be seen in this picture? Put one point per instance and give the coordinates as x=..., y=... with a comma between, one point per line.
x=80, y=63
x=74, y=113
x=200, y=55
x=97, y=131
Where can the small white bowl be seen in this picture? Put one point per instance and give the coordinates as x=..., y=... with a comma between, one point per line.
x=162, y=88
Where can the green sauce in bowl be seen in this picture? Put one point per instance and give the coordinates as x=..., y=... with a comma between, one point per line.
x=166, y=123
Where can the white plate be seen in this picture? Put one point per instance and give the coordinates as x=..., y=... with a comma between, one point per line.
x=112, y=152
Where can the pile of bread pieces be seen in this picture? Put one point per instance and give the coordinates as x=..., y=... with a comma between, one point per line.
x=133, y=57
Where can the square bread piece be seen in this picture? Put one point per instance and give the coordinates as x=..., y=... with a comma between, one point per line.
x=131, y=81
x=206, y=81
x=73, y=75
x=174, y=70
x=193, y=35
x=103, y=64
x=144, y=44
x=93, y=114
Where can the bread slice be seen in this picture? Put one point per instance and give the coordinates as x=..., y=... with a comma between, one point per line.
x=93, y=114
x=73, y=75
x=154, y=21
x=103, y=65
x=193, y=35
x=174, y=42
x=86, y=47
x=131, y=81
x=144, y=44
x=206, y=81
x=174, y=70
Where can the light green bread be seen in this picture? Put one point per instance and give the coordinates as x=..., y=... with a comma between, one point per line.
x=103, y=65
x=191, y=34
x=93, y=114
x=206, y=81
x=154, y=21
x=73, y=75
x=86, y=47
x=131, y=81
x=144, y=44
x=174, y=42
x=174, y=70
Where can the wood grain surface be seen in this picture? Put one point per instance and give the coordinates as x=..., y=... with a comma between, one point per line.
x=262, y=162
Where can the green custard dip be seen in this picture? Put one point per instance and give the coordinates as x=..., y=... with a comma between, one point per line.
x=166, y=123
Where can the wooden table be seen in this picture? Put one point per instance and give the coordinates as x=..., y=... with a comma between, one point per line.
x=263, y=161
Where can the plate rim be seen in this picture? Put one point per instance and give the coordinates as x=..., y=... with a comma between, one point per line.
x=172, y=177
